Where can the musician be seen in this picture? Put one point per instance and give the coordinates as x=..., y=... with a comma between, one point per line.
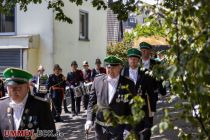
x=87, y=78
x=108, y=95
x=21, y=110
x=56, y=85
x=2, y=92
x=39, y=81
x=98, y=69
x=75, y=80
x=64, y=99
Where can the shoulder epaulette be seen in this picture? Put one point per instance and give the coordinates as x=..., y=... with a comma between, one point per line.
x=3, y=98
x=39, y=98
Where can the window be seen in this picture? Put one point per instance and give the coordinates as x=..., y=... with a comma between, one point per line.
x=7, y=23
x=83, y=25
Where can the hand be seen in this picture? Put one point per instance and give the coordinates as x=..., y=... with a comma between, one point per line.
x=88, y=126
x=126, y=134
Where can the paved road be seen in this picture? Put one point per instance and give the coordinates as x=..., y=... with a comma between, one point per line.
x=73, y=127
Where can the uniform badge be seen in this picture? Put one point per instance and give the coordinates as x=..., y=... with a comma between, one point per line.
x=24, y=118
x=22, y=124
x=30, y=125
x=26, y=111
x=35, y=120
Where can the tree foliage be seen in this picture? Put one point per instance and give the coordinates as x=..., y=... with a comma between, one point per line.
x=119, y=7
x=187, y=25
x=152, y=28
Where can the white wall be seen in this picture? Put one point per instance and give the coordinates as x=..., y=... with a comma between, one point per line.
x=67, y=46
x=38, y=20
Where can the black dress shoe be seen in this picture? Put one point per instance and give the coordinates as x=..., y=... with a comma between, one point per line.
x=74, y=114
x=58, y=119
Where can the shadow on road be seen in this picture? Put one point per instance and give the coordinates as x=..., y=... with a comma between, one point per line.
x=73, y=128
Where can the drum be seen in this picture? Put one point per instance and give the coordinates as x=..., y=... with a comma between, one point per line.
x=78, y=91
x=67, y=96
x=87, y=87
x=42, y=89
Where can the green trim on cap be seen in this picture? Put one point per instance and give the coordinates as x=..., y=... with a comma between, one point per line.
x=145, y=45
x=112, y=60
x=16, y=75
x=133, y=52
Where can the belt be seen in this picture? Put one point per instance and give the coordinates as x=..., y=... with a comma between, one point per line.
x=103, y=123
x=57, y=88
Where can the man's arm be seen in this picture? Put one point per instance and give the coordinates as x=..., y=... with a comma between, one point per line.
x=91, y=103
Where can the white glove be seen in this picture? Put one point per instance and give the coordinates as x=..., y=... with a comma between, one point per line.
x=88, y=126
x=126, y=133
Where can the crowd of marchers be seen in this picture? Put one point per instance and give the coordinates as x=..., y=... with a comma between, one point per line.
x=91, y=88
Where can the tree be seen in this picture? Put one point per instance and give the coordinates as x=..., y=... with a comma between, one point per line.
x=187, y=25
x=152, y=28
x=119, y=7
x=120, y=49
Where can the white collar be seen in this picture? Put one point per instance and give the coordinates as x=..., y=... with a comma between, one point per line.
x=113, y=79
x=130, y=69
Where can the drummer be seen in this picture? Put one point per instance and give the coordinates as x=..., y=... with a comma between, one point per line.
x=39, y=82
x=75, y=80
x=87, y=78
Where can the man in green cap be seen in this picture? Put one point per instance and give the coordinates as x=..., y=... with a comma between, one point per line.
x=146, y=51
x=21, y=110
x=107, y=94
x=155, y=86
x=144, y=88
x=133, y=70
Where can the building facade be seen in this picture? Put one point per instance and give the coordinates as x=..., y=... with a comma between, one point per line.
x=28, y=39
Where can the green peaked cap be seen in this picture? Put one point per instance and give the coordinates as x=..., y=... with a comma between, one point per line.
x=16, y=76
x=112, y=60
x=145, y=45
x=133, y=52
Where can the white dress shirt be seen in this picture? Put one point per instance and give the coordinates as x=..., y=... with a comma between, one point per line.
x=146, y=63
x=133, y=74
x=18, y=111
x=112, y=86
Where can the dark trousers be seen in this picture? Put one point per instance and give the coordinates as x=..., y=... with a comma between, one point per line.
x=85, y=101
x=107, y=133
x=77, y=101
x=56, y=96
x=144, y=126
x=65, y=105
